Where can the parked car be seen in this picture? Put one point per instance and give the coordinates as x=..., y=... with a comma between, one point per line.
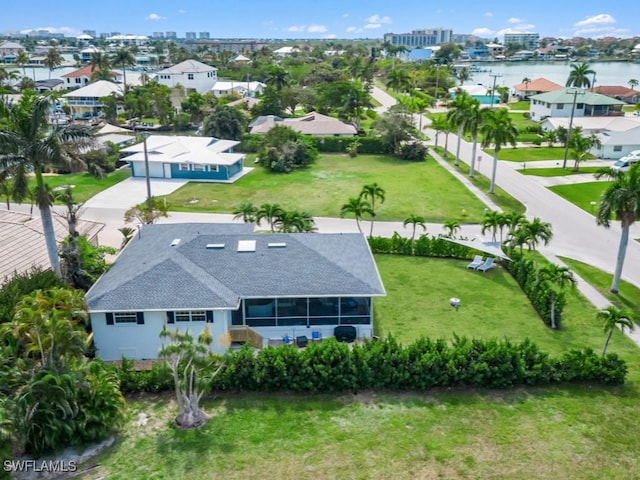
x=624, y=163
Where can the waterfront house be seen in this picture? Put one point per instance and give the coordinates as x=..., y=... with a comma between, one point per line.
x=9, y=51
x=559, y=103
x=82, y=77
x=244, y=89
x=262, y=286
x=205, y=159
x=535, y=87
x=190, y=74
x=312, y=123
x=86, y=102
x=620, y=92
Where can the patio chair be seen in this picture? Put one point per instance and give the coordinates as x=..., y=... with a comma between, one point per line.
x=477, y=261
x=486, y=265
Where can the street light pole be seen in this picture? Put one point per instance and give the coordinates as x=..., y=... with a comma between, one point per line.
x=575, y=92
x=146, y=171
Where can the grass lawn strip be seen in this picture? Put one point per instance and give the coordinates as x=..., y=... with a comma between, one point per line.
x=582, y=194
x=557, y=172
x=84, y=185
x=421, y=188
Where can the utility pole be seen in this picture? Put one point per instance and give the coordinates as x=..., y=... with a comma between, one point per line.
x=146, y=171
x=493, y=87
x=576, y=92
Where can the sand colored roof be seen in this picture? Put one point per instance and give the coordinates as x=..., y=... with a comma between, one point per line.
x=22, y=241
x=538, y=85
x=312, y=123
x=101, y=88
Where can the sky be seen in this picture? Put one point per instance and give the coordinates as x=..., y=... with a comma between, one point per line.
x=325, y=18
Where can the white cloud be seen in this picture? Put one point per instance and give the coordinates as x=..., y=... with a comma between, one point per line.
x=182, y=11
x=482, y=32
x=331, y=36
x=316, y=28
x=353, y=29
x=514, y=20
x=377, y=19
x=154, y=17
x=488, y=14
x=601, y=19
x=371, y=26
x=345, y=15
x=296, y=28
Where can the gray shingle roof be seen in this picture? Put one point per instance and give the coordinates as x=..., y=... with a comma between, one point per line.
x=151, y=275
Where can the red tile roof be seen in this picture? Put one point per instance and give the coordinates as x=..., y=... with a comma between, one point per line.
x=615, y=91
x=538, y=85
x=85, y=71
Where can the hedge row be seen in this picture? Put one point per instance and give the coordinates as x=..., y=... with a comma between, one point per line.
x=384, y=364
x=539, y=293
x=423, y=246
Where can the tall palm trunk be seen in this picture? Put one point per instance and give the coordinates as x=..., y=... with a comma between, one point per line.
x=474, y=148
x=446, y=144
x=622, y=251
x=358, y=224
x=493, y=172
x=47, y=224
x=373, y=206
x=553, y=309
x=606, y=344
x=457, y=161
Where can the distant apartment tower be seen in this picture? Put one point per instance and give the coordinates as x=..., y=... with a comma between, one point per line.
x=420, y=38
x=171, y=35
x=204, y=36
x=157, y=35
x=90, y=32
x=190, y=35
x=528, y=40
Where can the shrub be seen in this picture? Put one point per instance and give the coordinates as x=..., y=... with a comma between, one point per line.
x=414, y=152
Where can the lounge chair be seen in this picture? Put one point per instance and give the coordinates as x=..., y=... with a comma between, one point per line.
x=486, y=265
x=477, y=261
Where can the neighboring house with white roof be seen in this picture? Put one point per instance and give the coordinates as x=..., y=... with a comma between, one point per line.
x=87, y=101
x=559, y=103
x=194, y=158
x=244, y=89
x=82, y=77
x=86, y=53
x=312, y=123
x=9, y=51
x=285, y=51
x=22, y=241
x=190, y=74
x=617, y=144
x=224, y=276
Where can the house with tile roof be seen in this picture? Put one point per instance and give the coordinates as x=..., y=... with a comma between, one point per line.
x=82, y=77
x=205, y=159
x=190, y=74
x=559, y=103
x=619, y=92
x=313, y=123
x=225, y=276
x=535, y=87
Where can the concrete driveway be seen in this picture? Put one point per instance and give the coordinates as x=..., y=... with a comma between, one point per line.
x=132, y=191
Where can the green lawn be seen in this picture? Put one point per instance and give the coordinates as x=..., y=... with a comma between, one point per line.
x=422, y=188
x=519, y=105
x=84, y=185
x=500, y=197
x=582, y=194
x=531, y=154
x=557, y=172
x=541, y=433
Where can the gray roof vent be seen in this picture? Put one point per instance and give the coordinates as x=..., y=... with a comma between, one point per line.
x=215, y=246
x=276, y=244
x=246, y=245
x=175, y=242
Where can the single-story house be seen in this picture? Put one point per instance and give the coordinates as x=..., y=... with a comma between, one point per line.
x=195, y=158
x=617, y=144
x=619, y=92
x=535, y=87
x=225, y=276
x=82, y=77
x=559, y=103
x=312, y=123
x=114, y=134
x=50, y=85
x=22, y=240
x=86, y=102
x=286, y=51
x=190, y=74
x=244, y=89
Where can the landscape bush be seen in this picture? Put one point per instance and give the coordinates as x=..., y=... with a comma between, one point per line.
x=423, y=246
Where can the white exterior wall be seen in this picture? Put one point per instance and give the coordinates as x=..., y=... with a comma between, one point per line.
x=607, y=151
x=538, y=111
x=202, y=82
x=140, y=342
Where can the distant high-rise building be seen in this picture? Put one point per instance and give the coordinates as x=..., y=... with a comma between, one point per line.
x=114, y=34
x=104, y=35
x=171, y=35
x=420, y=38
x=204, y=35
x=158, y=35
x=527, y=39
x=191, y=35
x=90, y=32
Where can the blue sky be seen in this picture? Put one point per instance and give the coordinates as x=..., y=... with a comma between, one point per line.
x=324, y=18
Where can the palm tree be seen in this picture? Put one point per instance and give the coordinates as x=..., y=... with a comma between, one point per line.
x=295, y=221
x=100, y=66
x=440, y=124
x=497, y=129
x=633, y=83
x=464, y=74
x=53, y=60
x=579, y=75
x=415, y=221
x=398, y=80
x=452, y=227
x=621, y=198
x=526, y=81
x=614, y=317
x=457, y=117
x=247, y=211
x=358, y=207
x=125, y=58
x=536, y=231
x=492, y=220
x=558, y=278
x=371, y=192
x=28, y=140
x=277, y=77
x=473, y=122
x=22, y=60
x=581, y=146
x=269, y=212
x=513, y=220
